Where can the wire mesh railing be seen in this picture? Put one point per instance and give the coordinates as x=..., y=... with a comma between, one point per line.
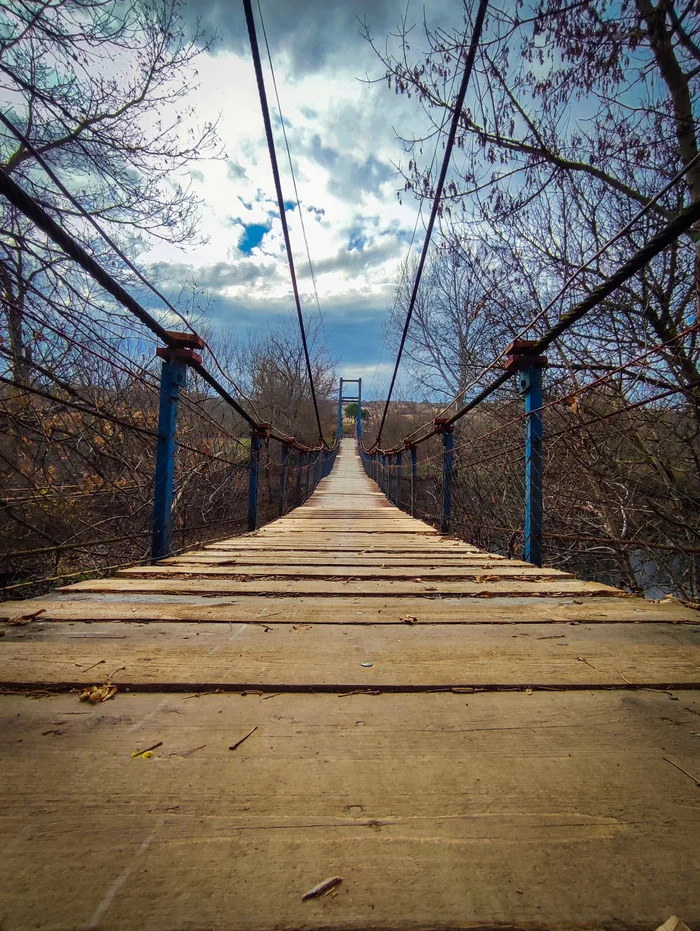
x=613, y=493
x=78, y=488
x=117, y=445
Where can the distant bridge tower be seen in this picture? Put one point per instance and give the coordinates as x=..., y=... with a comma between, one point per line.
x=347, y=398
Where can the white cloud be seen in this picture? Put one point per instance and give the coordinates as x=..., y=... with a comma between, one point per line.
x=343, y=143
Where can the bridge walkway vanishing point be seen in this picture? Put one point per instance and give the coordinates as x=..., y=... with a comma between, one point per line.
x=466, y=740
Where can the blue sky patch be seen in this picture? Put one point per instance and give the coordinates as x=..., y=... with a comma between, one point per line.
x=252, y=236
x=357, y=241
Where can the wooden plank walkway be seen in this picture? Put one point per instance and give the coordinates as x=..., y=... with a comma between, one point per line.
x=468, y=741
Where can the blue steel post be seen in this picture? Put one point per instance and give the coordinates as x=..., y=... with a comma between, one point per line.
x=253, y=468
x=447, y=433
x=284, y=455
x=397, y=495
x=414, y=468
x=340, y=410
x=300, y=466
x=307, y=474
x=530, y=368
x=173, y=377
x=533, y=466
x=359, y=410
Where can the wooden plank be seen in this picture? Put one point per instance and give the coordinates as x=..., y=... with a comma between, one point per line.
x=223, y=558
x=355, y=513
x=487, y=572
x=348, y=540
x=460, y=838
x=387, y=588
x=355, y=543
x=366, y=546
x=333, y=529
x=321, y=610
x=332, y=656
x=362, y=525
x=317, y=609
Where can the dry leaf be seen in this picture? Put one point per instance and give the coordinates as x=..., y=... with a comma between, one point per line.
x=673, y=924
x=21, y=619
x=98, y=693
x=409, y=619
x=322, y=887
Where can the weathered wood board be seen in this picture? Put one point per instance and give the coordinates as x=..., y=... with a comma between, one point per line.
x=486, y=572
x=344, y=587
x=300, y=656
x=319, y=609
x=438, y=811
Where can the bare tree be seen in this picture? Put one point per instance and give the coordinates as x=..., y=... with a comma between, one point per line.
x=99, y=90
x=270, y=365
x=580, y=113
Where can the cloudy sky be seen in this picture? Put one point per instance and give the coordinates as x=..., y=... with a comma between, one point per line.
x=342, y=137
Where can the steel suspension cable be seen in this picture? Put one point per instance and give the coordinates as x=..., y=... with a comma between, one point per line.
x=31, y=209
x=572, y=277
x=419, y=216
x=656, y=244
x=113, y=245
x=579, y=392
x=84, y=408
x=459, y=103
x=36, y=213
x=291, y=171
x=252, y=35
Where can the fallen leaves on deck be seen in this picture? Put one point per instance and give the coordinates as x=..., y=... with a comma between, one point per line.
x=98, y=693
x=21, y=619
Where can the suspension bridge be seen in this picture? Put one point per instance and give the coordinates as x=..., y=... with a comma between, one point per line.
x=321, y=704
x=465, y=740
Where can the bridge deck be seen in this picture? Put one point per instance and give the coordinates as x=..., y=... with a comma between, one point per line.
x=466, y=740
